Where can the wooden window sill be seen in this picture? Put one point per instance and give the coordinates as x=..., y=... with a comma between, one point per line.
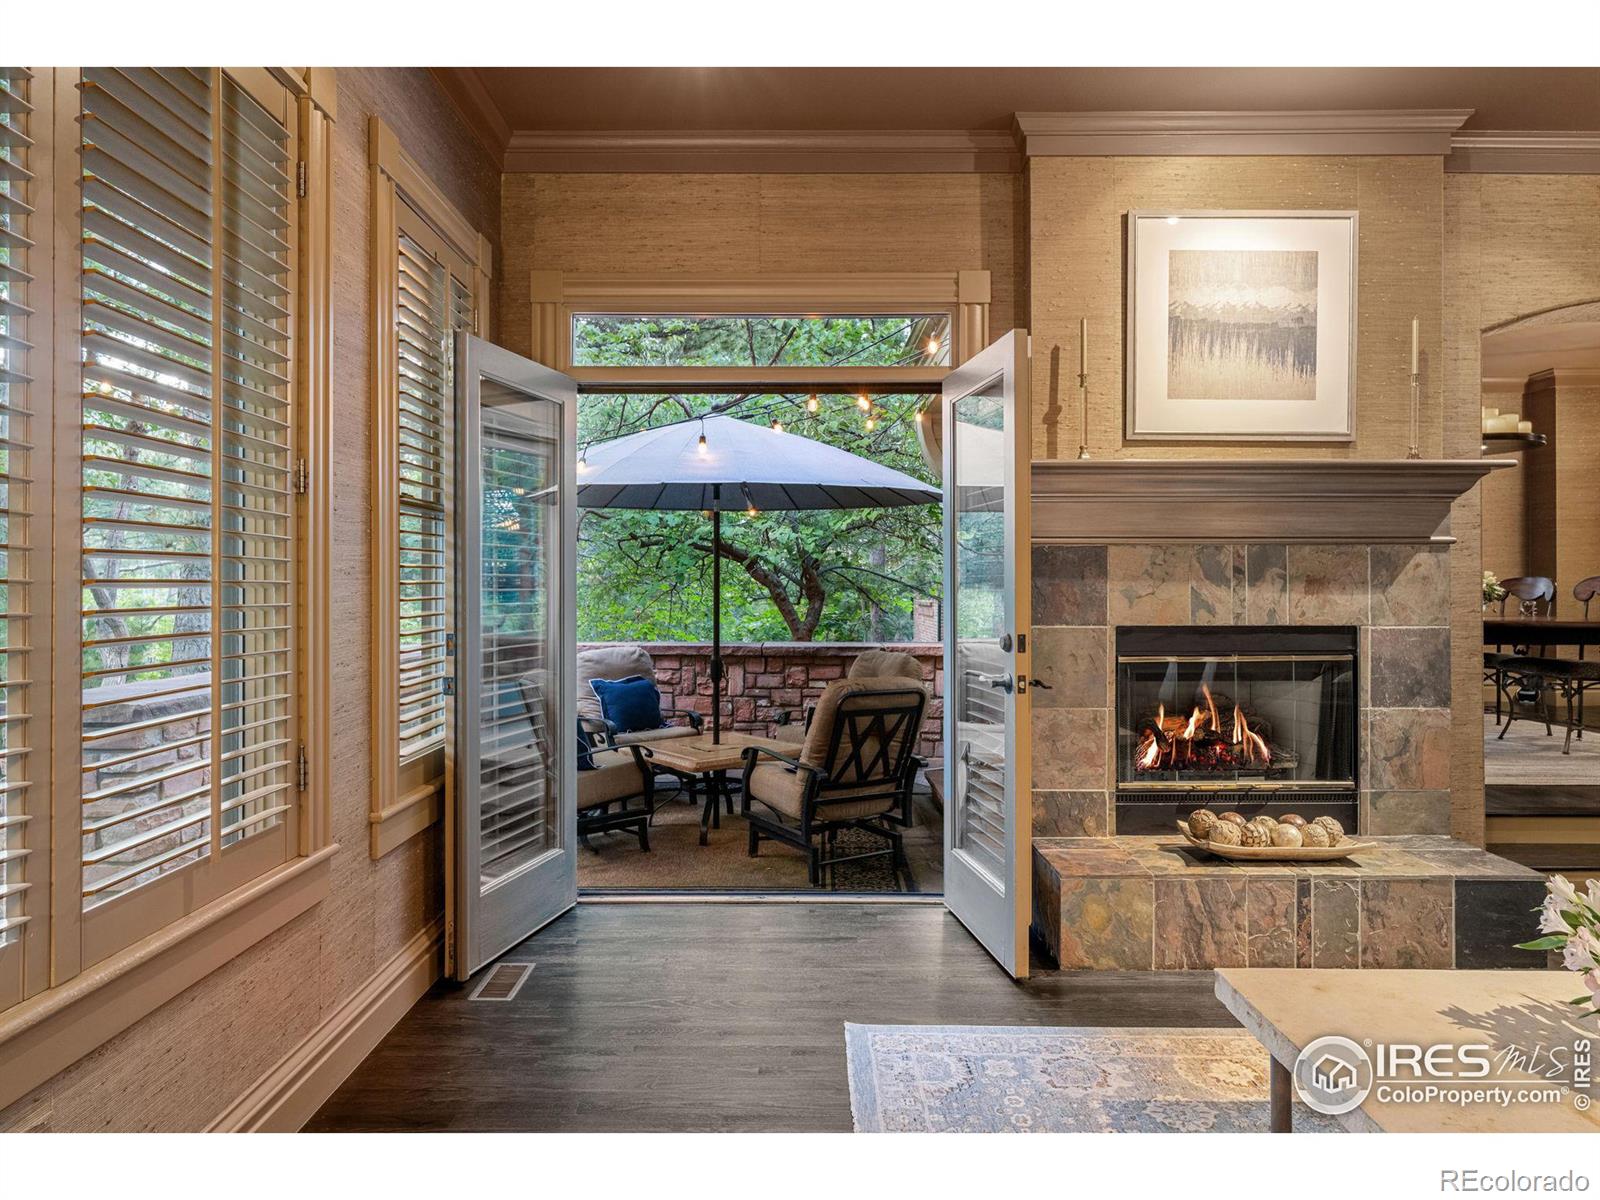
x=397, y=823
x=43, y=1036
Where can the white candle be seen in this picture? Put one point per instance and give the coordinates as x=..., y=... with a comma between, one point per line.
x=1416, y=341
x=1083, y=345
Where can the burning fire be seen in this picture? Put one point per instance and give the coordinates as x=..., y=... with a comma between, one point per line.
x=1199, y=741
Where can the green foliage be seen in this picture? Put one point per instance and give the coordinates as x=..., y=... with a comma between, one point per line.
x=848, y=575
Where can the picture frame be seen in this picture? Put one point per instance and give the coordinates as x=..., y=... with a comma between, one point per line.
x=1241, y=325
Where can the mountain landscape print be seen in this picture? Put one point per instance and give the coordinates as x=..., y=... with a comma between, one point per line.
x=1242, y=325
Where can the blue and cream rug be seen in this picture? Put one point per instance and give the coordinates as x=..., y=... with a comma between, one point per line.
x=1020, y=1079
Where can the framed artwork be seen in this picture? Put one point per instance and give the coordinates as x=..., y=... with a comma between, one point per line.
x=1241, y=326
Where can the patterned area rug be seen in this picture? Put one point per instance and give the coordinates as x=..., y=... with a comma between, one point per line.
x=1009, y=1079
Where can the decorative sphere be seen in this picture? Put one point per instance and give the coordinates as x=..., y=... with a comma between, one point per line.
x=1254, y=835
x=1263, y=820
x=1200, y=822
x=1226, y=833
x=1335, y=830
x=1232, y=817
x=1314, y=835
x=1291, y=819
x=1285, y=834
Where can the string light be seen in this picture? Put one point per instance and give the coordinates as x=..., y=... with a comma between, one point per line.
x=703, y=448
x=864, y=404
x=872, y=424
x=933, y=347
x=812, y=404
x=777, y=425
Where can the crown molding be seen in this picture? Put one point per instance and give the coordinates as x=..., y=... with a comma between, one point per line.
x=464, y=88
x=1528, y=152
x=781, y=152
x=1345, y=131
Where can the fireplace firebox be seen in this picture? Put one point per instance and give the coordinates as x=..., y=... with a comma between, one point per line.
x=1252, y=718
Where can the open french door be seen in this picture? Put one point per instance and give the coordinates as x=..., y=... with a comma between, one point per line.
x=513, y=795
x=988, y=810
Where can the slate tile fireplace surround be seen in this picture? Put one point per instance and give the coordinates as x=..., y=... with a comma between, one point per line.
x=1375, y=616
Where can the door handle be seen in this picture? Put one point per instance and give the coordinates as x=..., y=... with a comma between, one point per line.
x=1003, y=682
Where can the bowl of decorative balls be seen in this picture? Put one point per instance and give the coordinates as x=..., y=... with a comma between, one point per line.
x=1289, y=838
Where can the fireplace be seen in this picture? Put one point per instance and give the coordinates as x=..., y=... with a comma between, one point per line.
x=1252, y=718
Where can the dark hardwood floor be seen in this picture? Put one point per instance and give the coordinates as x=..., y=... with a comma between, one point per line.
x=714, y=1017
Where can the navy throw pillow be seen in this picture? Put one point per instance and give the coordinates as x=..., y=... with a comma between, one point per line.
x=630, y=705
x=585, y=750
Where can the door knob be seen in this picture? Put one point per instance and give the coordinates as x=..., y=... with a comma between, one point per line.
x=1003, y=682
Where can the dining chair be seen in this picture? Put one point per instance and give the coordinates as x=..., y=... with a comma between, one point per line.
x=1531, y=592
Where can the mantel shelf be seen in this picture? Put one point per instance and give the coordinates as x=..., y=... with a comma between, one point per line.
x=1123, y=500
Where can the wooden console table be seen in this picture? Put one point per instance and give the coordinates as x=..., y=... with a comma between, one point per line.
x=1286, y=1010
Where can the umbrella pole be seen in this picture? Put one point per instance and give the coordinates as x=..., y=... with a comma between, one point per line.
x=716, y=625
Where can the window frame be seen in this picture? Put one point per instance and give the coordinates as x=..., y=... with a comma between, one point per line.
x=558, y=297
x=82, y=986
x=408, y=794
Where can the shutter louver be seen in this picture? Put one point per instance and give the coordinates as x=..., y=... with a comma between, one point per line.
x=16, y=636
x=188, y=669
x=431, y=306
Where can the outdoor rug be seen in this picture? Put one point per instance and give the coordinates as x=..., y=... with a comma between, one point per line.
x=1019, y=1079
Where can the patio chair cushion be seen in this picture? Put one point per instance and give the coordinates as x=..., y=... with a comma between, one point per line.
x=843, y=696
x=615, y=777
x=793, y=733
x=782, y=789
x=629, y=705
x=640, y=737
x=609, y=662
x=894, y=664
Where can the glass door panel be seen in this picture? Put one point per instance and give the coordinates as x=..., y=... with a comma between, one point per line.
x=988, y=830
x=514, y=801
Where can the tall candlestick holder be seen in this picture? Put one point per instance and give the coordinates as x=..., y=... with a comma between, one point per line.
x=1083, y=407
x=1416, y=416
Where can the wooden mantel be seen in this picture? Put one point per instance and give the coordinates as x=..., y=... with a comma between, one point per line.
x=1099, y=501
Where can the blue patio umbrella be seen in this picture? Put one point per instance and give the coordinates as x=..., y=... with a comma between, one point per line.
x=718, y=464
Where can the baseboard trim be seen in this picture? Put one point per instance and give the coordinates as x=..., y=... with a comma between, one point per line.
x=287, y=1096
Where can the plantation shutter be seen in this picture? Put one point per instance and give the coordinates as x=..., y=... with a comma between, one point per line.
x=431, y=305
x=17, y=663
x=188, y=717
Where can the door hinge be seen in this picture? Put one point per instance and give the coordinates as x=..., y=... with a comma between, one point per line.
x=302, y=477
x=300, y=179
x=302, y=769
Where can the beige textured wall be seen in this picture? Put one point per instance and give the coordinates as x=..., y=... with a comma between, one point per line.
x=1514, y=245
x=745, y=224
x=179, y=1067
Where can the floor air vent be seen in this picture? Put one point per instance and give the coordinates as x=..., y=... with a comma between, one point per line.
x=503, y=982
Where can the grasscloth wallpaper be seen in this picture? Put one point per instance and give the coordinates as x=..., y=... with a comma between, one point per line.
x=179, y=1067
x=748, y=224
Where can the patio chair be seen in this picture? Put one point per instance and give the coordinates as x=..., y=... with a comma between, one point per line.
x=625, y=662
x=886, y=664
x=618, y=791
x=853, y=771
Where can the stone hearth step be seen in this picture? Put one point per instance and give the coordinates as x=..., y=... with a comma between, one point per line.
x=1155, y=903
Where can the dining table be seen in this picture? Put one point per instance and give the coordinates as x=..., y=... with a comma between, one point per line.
x=1540, y=631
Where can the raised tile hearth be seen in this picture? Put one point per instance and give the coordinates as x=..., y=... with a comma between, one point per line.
x=1154, y=903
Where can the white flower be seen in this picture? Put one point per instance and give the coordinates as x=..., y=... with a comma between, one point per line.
x=1594, y=893
x=1550, y=918
x=1562, y=890
x=1582, y=951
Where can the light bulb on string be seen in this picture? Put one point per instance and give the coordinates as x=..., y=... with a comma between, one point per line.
x=812, y=404
x=704, y=449
x=872, y=423
x=777, y=425
x=864, y=404
x=933, y=347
